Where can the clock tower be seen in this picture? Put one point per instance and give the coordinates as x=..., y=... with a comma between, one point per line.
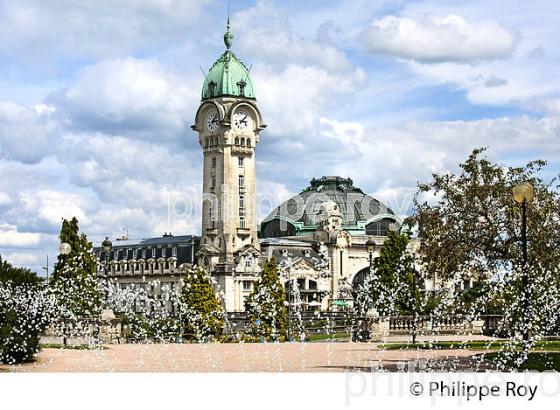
x=228, y=123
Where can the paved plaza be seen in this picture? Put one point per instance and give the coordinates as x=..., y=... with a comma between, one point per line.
x=250, y=357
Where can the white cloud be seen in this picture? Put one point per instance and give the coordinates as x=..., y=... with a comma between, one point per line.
x=552, y=105
x=25, y=134
x=396, y=158
x=25, y=259
x=11, y=238
x=128, y=95
x=293, y=98
x=38, y=29
x=52, y=206
x=435, y=39
x=140, y=171
x=265, y=32
x=5, y=199
x=514, y=85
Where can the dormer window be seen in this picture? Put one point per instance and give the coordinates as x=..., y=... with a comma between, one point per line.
x=241, y=85
x=212, y=89
x=248, y=262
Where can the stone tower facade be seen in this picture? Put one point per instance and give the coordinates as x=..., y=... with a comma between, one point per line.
x=228, y=123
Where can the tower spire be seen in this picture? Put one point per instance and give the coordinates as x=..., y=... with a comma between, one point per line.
x=228, y=37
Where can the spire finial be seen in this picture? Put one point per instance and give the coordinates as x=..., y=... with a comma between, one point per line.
x=228, y=37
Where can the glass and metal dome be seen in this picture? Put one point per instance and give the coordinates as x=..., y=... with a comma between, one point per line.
x=360, y=214
x=228, y=77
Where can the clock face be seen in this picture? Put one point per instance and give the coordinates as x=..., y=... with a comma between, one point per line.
x=242, y=120
x=212, y=121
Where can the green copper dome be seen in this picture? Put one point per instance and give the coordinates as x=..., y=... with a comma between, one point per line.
x=299, y=216
x=228, y=77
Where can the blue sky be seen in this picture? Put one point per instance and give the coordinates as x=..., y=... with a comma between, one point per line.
x=96, y=99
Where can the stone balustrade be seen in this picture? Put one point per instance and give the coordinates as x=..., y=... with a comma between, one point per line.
x=432, y=325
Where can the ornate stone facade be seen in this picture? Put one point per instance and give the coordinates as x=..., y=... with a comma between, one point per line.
x=317, y=237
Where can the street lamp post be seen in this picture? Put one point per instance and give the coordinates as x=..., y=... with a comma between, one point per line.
x=370, y=246
x=523, y=194
x=415, y=306
x=46, y=268
x=64, y=249
x=361, y=333
x=288, y=303
x=107, y=247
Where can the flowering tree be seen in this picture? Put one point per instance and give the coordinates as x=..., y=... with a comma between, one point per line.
x=470, y=231
x=25, y=310
x=542, y=317
x=470, y=220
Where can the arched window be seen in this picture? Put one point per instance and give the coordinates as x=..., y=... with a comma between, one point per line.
x=242, y=142
x=236, y=141
x=379, y=228
x=215, y=142
x=249, y=142
x=277, y=229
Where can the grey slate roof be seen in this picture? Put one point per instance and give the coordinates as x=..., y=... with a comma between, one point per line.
x=182, y=243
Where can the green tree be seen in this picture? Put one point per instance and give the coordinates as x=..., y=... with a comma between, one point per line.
x=74, y=279
x=17, y=276
x=471, y=226
x=393, y=269
x=202, y=313
x=266, y=305
x=389, y=287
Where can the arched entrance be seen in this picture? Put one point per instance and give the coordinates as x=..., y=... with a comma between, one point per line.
x=358, y=280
